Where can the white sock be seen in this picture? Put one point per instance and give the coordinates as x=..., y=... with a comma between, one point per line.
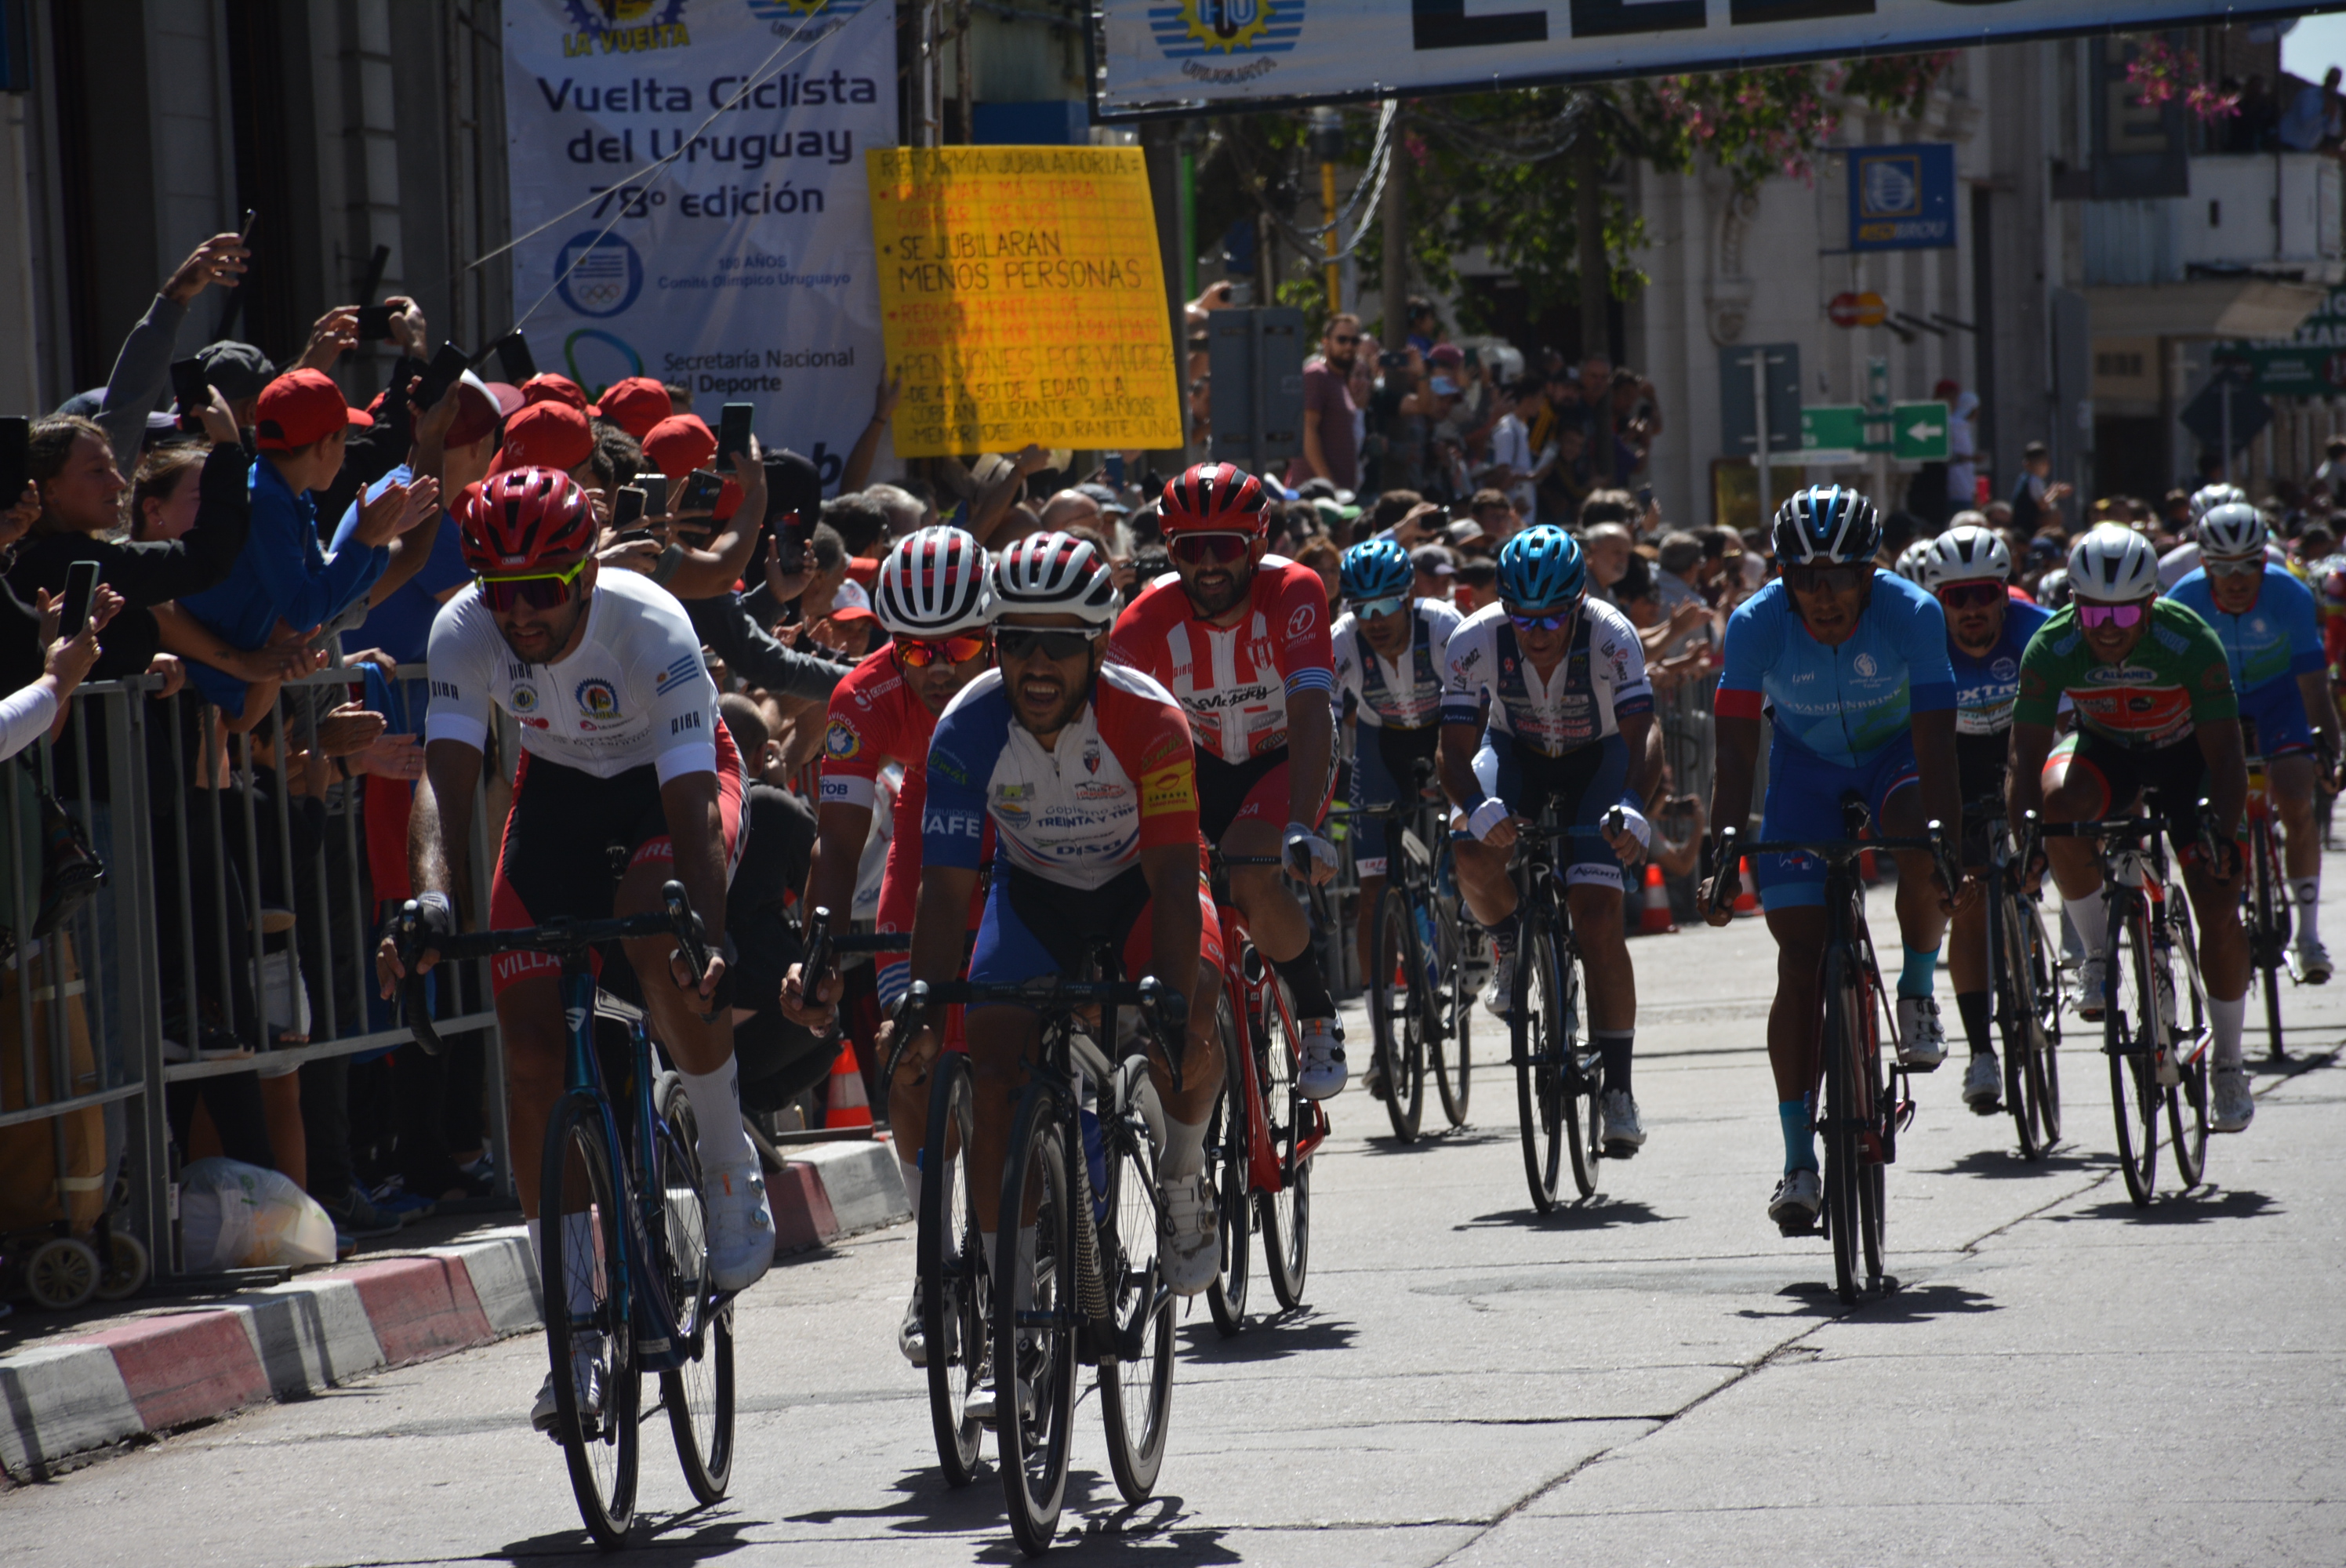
x=909, y=1169
x=2224, y=1023
x=1184, y=1154
x=2307, y=891
x=2092, y=919
x=717, y=1105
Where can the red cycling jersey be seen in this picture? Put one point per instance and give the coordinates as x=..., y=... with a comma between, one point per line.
x=1234, y=681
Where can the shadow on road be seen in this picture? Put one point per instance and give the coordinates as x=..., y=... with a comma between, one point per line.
x=2005, y=1164
x=1597, y=1213
x=1149, y=1532
x=1467, y=1137
x=2198, y=1206
x=694, y=1535
x=1269, y=1339
x=2298, y=1065
x=1902, y=1304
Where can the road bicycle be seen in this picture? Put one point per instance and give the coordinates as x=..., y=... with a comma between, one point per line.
x=1868, y=1096
x=2265, y=910
x=1264, y=1130
x=1560, y=1074
x=2157, y=1053
x=1087, y=1288
x=623, y=1250
x=1420, y=1002
x=2027, y=980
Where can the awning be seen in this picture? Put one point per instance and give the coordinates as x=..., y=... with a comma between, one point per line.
x=2204, y=308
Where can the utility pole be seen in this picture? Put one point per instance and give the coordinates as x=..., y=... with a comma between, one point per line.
x=1327, y=147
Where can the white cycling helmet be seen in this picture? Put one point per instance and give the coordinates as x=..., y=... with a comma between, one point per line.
x=933, y=584
x=2113, y=565
x=1054, y=574
x=1967, y=554
x=2233, y=530
x=1911, y=559
x=2207, y=497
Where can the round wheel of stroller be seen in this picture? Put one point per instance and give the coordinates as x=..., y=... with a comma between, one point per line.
x=61, y=1273
x=124, y=1273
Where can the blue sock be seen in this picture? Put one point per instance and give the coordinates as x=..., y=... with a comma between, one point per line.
x=1799, y=1138
x=1914, y=979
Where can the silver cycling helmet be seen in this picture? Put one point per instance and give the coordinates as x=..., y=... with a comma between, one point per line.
x=1967, y=554
x=1910, y=561
x=2114, y=564
x=2232, y=530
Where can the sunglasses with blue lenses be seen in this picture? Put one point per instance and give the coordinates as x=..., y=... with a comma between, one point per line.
x=1366, y=608
x=1555, y=621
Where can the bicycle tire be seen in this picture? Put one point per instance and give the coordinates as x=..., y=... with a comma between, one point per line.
x=600, y=1450
x=1875, y=1142
x=1453, y=1044
x=1535, y=1026
x=1580, y=1083
x=955, y=1303
x=1285, y=1215
x=2017, y=1007
x=699, y=1395
x=2186, y=1103
x=2268, y=929
x=1397, y=1002
x=2134, y=1083
x=1227, y=1151
x=1136, y=1395
x=1840, y=1136
x=2044, y=1057
x=1040, y=1352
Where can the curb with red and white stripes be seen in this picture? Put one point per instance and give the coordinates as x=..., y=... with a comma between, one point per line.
x=97, y=1389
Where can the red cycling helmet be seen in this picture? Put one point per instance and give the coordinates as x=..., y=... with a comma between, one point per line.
x=1220, y=496
x=514, y=520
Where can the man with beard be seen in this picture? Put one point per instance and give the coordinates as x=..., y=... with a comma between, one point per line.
x=1332, y=422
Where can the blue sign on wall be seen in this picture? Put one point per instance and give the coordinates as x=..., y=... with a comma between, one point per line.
x=1902, y=198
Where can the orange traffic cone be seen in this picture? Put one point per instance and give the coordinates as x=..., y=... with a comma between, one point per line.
x=849, y=1107
x=1747, y=901
x=1654, y=918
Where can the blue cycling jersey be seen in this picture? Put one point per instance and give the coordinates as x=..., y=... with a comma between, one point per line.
x=1841, y=705
x=2279, y=638
x=1986, y=684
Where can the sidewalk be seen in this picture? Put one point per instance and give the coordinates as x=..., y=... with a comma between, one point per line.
x=92, y=1384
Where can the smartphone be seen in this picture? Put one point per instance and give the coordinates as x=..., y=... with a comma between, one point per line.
x=374, y=323
x=701, y=489
x=447, y=365
x=790, y=546
x=1645, y=497
x=627, y=506
x=733, y=431
x=15, y=457
x=193, y=393
x=81, y=582
x=513, y=358
x=245, y=233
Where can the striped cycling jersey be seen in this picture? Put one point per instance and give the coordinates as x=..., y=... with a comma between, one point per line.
x=1234, y=681
x=1405, y=694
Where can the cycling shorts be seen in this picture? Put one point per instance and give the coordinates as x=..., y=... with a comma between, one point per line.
x=1585, y=782
x=1252, y=790
x=569, y=838
x=2277, y=708
x=1032, y=928
x=1804, y=794
x=2169, y=779
x=1387, y=757
x=900, y=897
x=1980, y=771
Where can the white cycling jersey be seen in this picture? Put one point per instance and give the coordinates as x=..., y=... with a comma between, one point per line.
x=1601, y=677
x=633, y=694
x=1406, y=695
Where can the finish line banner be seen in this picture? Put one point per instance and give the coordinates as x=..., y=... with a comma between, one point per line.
x=742, y=267
x=1169, y=56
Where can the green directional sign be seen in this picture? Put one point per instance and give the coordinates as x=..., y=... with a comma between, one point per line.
x=1832, y=427
x=1918, y=432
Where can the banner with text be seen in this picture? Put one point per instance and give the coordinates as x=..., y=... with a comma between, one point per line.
x=1022, y=298
x=1163, y=55
x=725, y=241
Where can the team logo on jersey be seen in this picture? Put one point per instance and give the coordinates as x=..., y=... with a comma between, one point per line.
x=1865, y=665
x=525, y=699
x=2135, y=674
x=840, y=740
x=2004, y=669
x=686, y=666
x=1169, y=789
x=1301, y=620
x=598, y=699
x=1011, y=800
x=1091, y=756
x=1161, y=750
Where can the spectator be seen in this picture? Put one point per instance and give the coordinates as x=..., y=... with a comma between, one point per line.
x=1435, y=567
x=1475, y=587
x=635, y=404
x=1424, y=324
x=905, y=510
x=427, y=570
x=1680, y=563
x=1332, y=423
x=552, y=435
x=1071, y=509
x=2310, y=120
x=238, y=372
x=1636, y=415
x=1515, y=469
x=2036, y=497
x=1608, y=547
x=142, y=367
x=856, y=472
x=1322, y=555
x=38, y=707
x=680, y=396
x=2331, y=477
x=547, y=387
x=778, y=1059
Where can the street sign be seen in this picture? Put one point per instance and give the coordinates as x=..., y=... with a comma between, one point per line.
x=1902, y=198
x=1832, y=434
x=1739, y=408
x=2206, y=417
x=1842, y=310
x=1918, y=432
x=1866, y=310
x=1256, y=358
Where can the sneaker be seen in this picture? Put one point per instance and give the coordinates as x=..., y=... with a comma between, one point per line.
x=1984, y=1083
x=2311, y=961
x=740, y=1229
x=2234, y=1107
x=1324, y=1073
x=356, y=1216
x=1624, y=1134
x=587, y=1367
x=1190, y=1233
x=1499, y=990
x=1798, y=1198
x=2093, y=973
x=1922, y=1040
x=912, y=1335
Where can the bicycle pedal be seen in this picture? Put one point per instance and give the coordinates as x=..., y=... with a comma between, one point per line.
x=1794, y=1232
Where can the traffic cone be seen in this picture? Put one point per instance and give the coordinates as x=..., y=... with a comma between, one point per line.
x=849, y=1107
x=1654, y=919
x=1747, y=901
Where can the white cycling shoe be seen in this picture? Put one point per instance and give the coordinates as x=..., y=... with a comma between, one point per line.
x=2236, y=1108
x=1624, y=1133
x=2093, y=973
x=1323, y=1074
x=2312, y=961
x=1984, y=1083
x=586, y=1368
x=911, y=1334
x=1798, y=1198
x=740, y=1228
x=1189, y=1241
x=1498, y=992
x=1922, y=1038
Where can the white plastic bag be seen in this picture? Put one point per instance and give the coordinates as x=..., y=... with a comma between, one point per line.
x=236, y=1216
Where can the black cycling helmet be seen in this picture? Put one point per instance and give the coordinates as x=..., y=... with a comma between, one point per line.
x=1826, y=524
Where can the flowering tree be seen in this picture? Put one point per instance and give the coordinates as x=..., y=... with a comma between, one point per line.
x=2162, y=74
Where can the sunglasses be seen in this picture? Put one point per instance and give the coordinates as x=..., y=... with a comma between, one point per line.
x=1208, y=549
x=950, y=650
x=1826, y=580
x=2110, y=614
x=1060, y=644
x=1549, y=623
x=2248, y=567
x=539, y=590
x=1971, y=595
x=1344, y=342
x=1367, y=608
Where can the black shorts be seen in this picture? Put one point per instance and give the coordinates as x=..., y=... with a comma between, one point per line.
x=1980, y=774
x=1226, y=789
x=2169, y=780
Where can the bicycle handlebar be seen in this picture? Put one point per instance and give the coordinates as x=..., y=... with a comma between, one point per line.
x=1164, y=1011
x=1728, y=855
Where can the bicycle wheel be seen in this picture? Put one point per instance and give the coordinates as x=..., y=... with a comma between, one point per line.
x=1453, y=1052
x=1839, y=1045
x=699, y=1393
x=1538, y=1026
x=2134, y=1077
x=2045, y=1054
x=956, y=1306
x=2269, y=927
x=1397, y=1005
x=2186, y=1103
x=2016, y=1010
x=1227, y=1151
x=1285, y=1215
x=1582, y=1082
x=589, y=1338
x=1034, y=1305
x=1877, y=1112
x=1136, y=1382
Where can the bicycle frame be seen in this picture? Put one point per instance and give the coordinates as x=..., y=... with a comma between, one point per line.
x=1254, y=993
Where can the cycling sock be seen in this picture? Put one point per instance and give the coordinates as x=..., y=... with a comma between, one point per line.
x=1185, y=1150
x=909, y=1169
x=1799, y=1138
x=1309, y=992
x=2092, y=919
x=717, y=1106
x=2307, y=891
x=2224, y=1019
x=1613, y=1044
x=1973, y=1006
x=1920, y=972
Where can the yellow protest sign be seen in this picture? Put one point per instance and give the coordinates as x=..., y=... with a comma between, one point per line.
x=1022, y=298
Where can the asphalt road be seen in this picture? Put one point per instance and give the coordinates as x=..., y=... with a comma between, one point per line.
x=1654, y=1377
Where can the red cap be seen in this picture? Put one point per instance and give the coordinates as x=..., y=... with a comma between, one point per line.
x=545, y=436
x=852, y=613
x=301, y=407
x=478, y=412
x=547, y=387
x=636, y=406
x=509, y=399
x=679, y=445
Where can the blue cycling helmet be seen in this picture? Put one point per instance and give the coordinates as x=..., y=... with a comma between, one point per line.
x=1826, y=524
x=1377, y=569
x=1542, y=568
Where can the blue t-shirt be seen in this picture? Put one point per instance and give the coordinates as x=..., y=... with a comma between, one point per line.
x=1841, y=705
x=1986, y=684
x=2279, y=638
x=402, y=624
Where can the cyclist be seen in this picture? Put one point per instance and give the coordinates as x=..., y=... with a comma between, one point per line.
x=931, y=595
x=1086, y=772
x=2272, y=631
x=1389, y=656
x=621, y=747
x=2181, y=561
x=1853, y=662
x=1987, y=631
x=1240, y=638
x=2157, y=716
x=1570, y=715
